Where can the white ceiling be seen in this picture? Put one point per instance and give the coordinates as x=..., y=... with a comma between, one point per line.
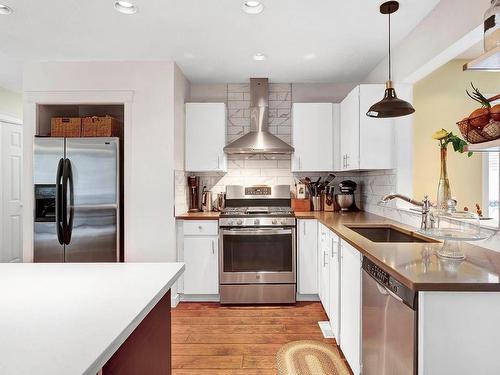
x=212, y=41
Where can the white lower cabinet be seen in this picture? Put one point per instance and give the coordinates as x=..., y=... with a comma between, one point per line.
x=200, y=253
x=324, y=250
x=307, y=254
x=350, y=306
x=329, y=276
x=334, y=296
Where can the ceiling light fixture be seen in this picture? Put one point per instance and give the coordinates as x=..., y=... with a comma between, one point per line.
x=391, y=105
x=6, y=10
x=252, y=7
x=125, y=7
x=259, y=57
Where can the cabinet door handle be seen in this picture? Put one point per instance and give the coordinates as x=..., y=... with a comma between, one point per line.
x=325, y=255
x=334, y=252
x=347, y=158
x=213, y=247
x=218, y=162
x=300, y=164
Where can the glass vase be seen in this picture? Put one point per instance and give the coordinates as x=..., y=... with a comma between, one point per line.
x=444, y=191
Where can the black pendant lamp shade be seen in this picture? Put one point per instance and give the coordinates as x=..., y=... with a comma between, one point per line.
x=390, y=105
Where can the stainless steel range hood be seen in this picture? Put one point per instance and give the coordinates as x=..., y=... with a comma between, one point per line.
x=258, y=140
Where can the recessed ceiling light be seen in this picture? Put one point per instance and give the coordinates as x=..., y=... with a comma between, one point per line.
x=310, y=56
x=4, y=9
x=259, y=57
x=252, y=7
x=125, y=7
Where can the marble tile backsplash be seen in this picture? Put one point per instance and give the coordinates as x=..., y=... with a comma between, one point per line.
x=275, y=169
x=280, y=105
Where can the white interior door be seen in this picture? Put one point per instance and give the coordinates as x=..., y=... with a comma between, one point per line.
x=11, y=207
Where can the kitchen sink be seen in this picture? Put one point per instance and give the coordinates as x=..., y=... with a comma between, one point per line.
x=389, y=234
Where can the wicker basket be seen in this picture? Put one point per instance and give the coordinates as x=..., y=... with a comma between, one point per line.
x=65, y=127
x=100, y=126
x=479, y=135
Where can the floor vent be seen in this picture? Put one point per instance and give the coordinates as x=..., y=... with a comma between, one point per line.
x=326, y=329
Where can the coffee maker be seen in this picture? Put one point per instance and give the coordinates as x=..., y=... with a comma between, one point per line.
x=194, y=193
x=346, y=197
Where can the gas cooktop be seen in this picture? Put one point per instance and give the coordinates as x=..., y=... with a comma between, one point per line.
x=257, y=211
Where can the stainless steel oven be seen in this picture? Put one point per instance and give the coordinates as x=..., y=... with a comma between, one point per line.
x=257, y=257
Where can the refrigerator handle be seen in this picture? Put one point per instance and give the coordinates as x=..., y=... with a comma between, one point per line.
x=69, y=227
x=67, y=223
x=59, y=227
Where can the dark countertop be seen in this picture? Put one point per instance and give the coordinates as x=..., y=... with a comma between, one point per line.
x=416, y=265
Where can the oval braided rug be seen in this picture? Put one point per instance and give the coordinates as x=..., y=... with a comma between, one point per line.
x=310, y=357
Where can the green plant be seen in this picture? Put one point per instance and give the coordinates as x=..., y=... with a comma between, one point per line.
x=445, y=138
x=478, y=97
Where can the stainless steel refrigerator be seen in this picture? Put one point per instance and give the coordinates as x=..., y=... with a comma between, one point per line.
x=77, y=199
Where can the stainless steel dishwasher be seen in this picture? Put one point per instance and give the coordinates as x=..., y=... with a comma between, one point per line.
x=389, y=324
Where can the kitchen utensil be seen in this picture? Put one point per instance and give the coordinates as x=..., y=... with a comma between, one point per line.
x=316, y=203
x=329, y=199
x=300, y=191
x=329, y=179
x=206, y=200
x=220, y=202
x=301, y=205
x=194, y=193
x=345, y=201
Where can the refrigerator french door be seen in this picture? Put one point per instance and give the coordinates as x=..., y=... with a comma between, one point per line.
x=76, y=199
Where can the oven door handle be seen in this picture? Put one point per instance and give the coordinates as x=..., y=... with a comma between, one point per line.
x=255, y=232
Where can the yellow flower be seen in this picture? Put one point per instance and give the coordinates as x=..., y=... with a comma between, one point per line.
x=440, y=134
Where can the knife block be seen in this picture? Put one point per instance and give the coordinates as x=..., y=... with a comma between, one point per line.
x=328, y=203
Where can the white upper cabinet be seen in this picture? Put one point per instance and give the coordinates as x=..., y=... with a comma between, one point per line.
x=205, y=137
x=312, y=135
x=365, y=143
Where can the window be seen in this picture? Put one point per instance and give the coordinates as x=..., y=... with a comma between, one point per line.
x=491, y=187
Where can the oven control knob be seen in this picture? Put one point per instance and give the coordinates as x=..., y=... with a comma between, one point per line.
x=274, y=222
x=256, y=221
x=230, y=222
x=239, y=222
x=283, y=222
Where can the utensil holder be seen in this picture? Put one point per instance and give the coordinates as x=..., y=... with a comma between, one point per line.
x=316, y=203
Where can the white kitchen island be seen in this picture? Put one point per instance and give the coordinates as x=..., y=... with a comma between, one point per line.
x=74, y=318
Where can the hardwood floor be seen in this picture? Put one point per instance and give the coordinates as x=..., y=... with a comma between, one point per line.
x=209, y=339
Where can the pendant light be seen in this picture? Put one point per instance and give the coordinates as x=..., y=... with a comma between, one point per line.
x=391, y=105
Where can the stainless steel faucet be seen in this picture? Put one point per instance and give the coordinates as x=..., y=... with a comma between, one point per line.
x=427, y=218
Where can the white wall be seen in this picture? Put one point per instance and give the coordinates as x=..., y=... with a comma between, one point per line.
x=149, y=143
x=181, y=96
x=451, y=28
x=422, y=51
x=11, y=104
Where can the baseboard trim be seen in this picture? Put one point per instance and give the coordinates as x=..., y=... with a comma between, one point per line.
x=307, y=297
x=175, y=300
x=199, y=298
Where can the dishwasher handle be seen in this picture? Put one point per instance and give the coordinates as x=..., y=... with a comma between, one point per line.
x=385, y=291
